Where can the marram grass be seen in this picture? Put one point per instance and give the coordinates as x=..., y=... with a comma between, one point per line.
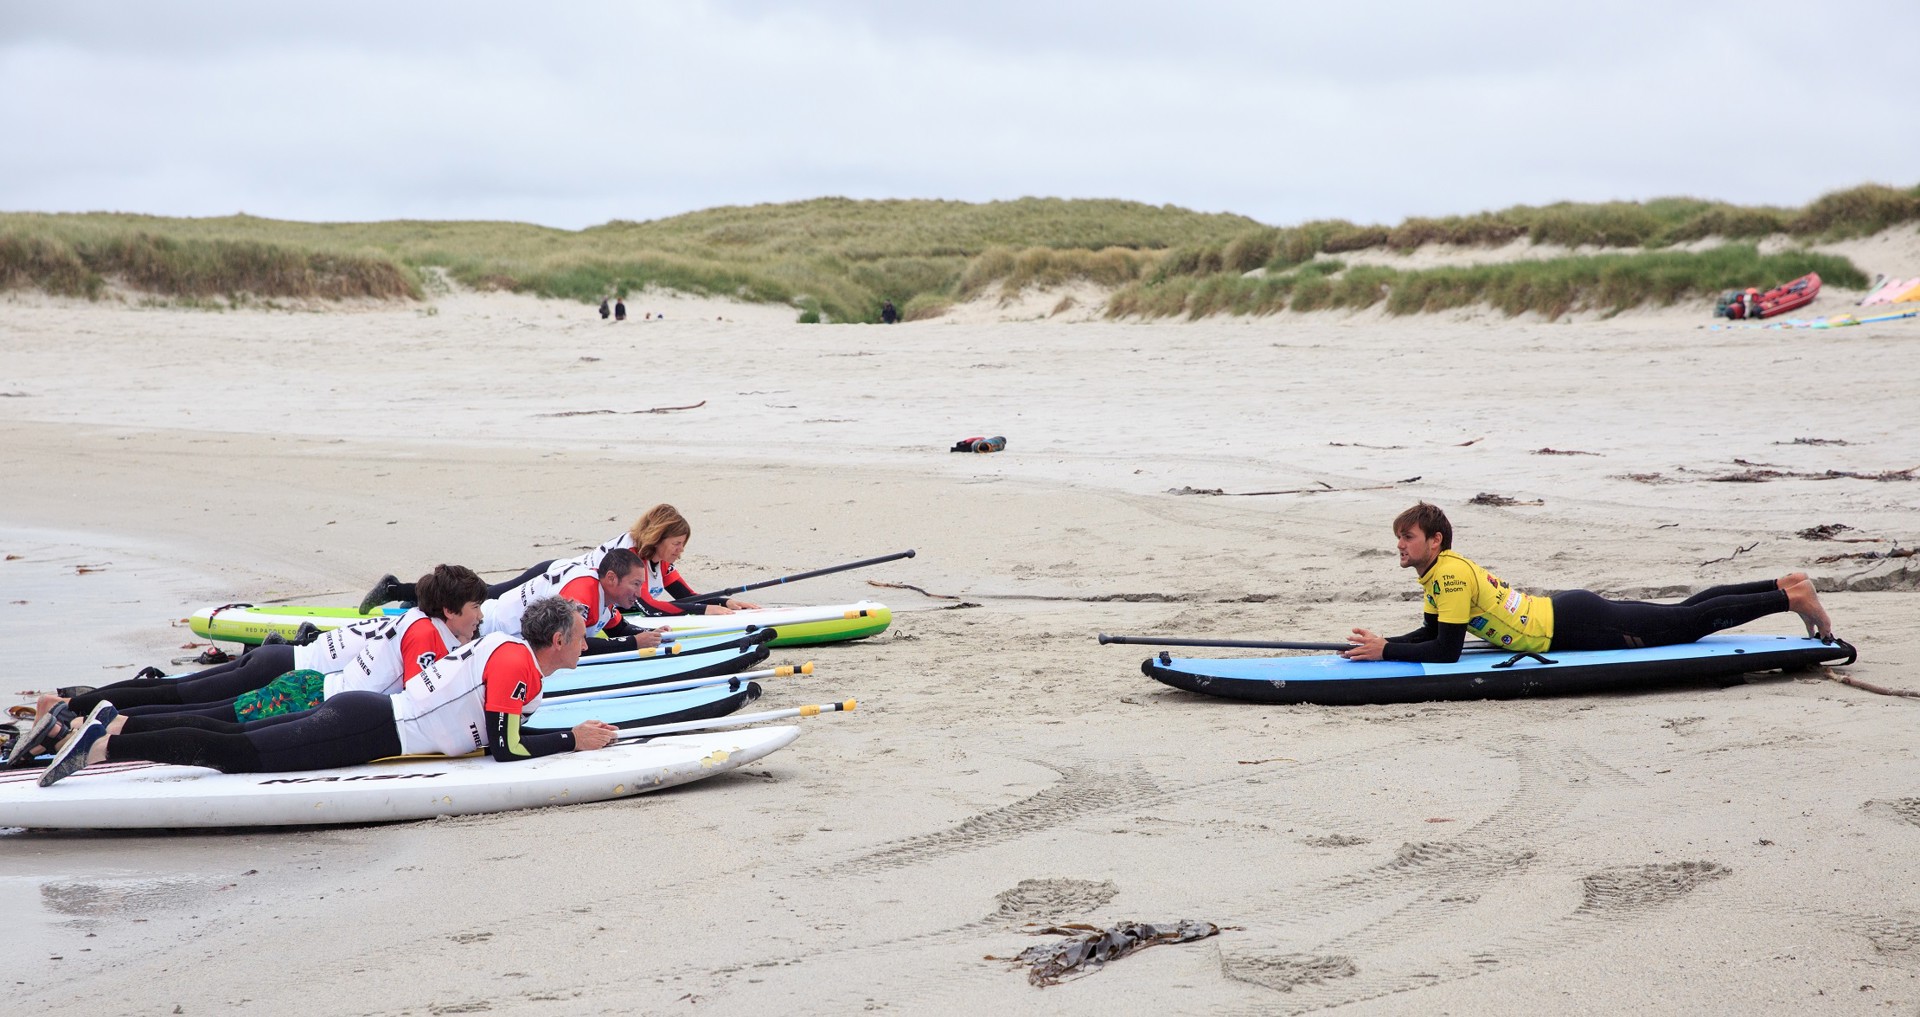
x=835, y=259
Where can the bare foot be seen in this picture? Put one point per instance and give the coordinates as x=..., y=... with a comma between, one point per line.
x=1801, y=600
x=1790, y=579
x=46, y=702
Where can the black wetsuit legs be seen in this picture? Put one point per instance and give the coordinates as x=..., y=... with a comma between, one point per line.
x=347, y=730
x=1583, y=620
x=246, y=673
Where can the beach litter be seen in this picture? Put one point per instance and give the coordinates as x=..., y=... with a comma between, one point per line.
x=1088, y=948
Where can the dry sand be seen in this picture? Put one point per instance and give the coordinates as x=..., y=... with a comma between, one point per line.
x=1688, y=850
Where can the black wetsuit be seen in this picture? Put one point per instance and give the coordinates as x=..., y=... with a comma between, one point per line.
x=1584, y=620
x=347, y=730
x=246, y=673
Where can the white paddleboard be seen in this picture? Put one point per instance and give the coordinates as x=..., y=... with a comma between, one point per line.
x=153, y=795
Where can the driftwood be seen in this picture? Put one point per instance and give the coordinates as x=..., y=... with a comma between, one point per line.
x=910, y=586
x=598, y=413
x=1898, y=552
x=1562, y=452
x=1882, y=690
x=1737, y=552
x=1815, y=441
x=1324, y=488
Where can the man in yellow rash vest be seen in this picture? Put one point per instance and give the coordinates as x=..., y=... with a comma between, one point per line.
x=1459, y=597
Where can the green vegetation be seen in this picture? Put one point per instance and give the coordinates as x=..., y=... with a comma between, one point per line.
x=835, y=259
x=1608, y=283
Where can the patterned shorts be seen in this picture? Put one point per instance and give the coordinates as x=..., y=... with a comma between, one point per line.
x=290, y=693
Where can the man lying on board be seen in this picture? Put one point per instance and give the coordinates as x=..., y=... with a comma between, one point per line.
x=1462, y=597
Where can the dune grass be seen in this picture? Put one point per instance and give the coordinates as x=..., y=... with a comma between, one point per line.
x=1606, y=283
x=835, y=259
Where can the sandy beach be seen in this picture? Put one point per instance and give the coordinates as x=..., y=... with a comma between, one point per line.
x=1687, y=850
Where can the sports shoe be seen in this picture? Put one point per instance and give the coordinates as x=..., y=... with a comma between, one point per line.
x=305, y=634
x=381, y=593
x=273, y=639
x=70, y=691
x=72, y=757
x=46, y=732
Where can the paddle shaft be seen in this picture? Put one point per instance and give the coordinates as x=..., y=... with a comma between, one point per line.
x=638, y=734
x=754, y=634
x=796, y=577
x=623, y=691
x=1240, y=644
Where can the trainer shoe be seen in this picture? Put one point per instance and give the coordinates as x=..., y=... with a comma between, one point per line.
x=273, y=639
x=381, y=593
x=305, y=634
x=43, y=736
x=72, y=757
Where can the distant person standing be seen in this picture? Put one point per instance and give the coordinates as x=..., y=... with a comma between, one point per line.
x=604, y=312
x=887, y=312
x=619, y=309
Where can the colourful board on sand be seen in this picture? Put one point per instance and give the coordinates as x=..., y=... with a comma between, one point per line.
x=1327, y=679
x=249, y=625
x=152, y=795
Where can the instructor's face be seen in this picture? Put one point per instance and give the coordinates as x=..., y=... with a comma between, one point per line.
x=1418, y=550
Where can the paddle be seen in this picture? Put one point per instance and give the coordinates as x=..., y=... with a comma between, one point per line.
x=723, y=626
x=641, y=734
x=721, y=595
x=623, y=691
x=754, y=634
x=1244, y=644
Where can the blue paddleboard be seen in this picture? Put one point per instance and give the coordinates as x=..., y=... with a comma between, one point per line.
x=1488, y=674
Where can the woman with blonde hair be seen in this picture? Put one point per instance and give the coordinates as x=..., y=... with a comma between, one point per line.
x=659, y=537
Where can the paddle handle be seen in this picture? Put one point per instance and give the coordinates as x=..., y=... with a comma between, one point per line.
x=796, y=577
x=1240, y=644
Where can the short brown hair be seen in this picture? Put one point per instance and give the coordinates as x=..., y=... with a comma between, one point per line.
x=659, y=524
x=448, y=588
x=1428, y=517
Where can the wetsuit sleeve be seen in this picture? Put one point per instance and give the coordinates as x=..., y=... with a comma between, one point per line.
x=614, y=638
x=584, y=591
x=513, y=681
x=1429, y=628
x=420, y=645
x=510, y=742
x=1443, y=648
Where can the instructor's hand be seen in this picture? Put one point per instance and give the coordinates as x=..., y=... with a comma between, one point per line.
x=646, y=639
x=1366, y=646
x=593, y=734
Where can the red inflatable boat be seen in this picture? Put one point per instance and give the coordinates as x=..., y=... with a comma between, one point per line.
x=1779, y=300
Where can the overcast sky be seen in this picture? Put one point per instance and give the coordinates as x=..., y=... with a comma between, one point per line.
x=575, y=113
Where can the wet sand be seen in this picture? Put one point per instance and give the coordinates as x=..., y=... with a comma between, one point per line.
x=1687, y=849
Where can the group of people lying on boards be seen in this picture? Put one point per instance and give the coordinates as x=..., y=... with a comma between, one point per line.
x=350, y=695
